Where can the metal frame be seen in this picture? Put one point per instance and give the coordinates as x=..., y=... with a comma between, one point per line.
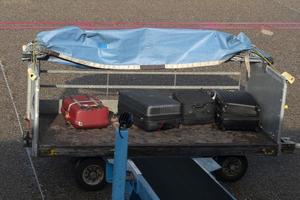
x=271, y=97
x=33, y=102
x=34, y=86
x=157, y=87
x=135, y=182
x=116, y=172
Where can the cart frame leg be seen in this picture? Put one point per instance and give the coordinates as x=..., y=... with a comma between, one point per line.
x=120, y=164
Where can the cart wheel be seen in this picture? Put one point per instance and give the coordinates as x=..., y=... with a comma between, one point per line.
x=233, y=168
x=90, y=174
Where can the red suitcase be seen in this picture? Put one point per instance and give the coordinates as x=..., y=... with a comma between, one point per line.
x=85, y=112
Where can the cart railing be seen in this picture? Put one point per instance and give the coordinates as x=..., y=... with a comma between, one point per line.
x=270, y=95
x=265, y=84
x=172, y=86
x=35, y=84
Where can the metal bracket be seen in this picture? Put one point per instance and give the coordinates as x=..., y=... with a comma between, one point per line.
x=32, y=75
x=287, y=145
x=290, y=78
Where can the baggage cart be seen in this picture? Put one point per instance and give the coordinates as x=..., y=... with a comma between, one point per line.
x=48, y=136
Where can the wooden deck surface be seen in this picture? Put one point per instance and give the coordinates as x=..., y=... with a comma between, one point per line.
x=55, y=132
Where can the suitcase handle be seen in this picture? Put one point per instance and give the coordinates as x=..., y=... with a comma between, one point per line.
x=91, y=99
x=96, y=104
x=99, y=103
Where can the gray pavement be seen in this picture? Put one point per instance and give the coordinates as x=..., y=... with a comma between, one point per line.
x=16, y=175
x=267, y=178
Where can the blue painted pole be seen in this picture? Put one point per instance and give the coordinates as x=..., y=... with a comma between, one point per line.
x=120, y=164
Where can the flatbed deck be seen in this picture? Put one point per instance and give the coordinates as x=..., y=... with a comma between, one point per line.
x=58, y=138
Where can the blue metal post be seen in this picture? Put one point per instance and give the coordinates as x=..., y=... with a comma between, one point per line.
x=120, y=164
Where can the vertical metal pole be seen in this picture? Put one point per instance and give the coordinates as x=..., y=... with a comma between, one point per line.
x=120, y=164
x=29, y=94
x=283, y=102
x=175, y=80
x=36, y=111
x=240, y=76
x=107, y=84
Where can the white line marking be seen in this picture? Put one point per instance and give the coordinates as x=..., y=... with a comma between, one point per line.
x=35, y=174
x=21, y=129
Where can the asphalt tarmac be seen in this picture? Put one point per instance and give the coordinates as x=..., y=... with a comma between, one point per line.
x=267, y=177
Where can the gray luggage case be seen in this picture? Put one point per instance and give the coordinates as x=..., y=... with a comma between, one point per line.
x=151, y=111
x=198, y=107
x=237, y=110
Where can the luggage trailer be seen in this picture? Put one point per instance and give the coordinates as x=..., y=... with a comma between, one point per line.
x=151, y=155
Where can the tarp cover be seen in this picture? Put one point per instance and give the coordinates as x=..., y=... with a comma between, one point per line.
x=145, y=46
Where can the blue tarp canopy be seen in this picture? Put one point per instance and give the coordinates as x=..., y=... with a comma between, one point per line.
x=136, y=48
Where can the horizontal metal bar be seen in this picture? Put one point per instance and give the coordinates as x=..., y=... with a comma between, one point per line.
x=136, y=72
x=139, y=86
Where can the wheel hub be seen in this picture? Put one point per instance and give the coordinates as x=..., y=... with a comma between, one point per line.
x=93, y=174
x=232, y=167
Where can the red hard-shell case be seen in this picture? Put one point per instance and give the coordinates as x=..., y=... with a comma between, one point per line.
x=85, y=112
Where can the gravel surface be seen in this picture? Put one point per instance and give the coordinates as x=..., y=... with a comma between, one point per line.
x=267, y=178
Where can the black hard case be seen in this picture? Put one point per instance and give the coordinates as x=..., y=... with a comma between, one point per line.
x=151, y=111
x=197, y=107
x=237, y=110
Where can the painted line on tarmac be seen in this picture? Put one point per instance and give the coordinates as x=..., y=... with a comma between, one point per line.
x=141, y=23
x=27, y=25
x=21, y=129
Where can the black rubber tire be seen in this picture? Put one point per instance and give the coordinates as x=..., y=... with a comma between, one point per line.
x=82, y=168
x=233, y=168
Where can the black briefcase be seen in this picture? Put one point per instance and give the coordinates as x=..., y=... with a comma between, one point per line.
x=237, y=110
x=152, y=111
x=197, y=107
